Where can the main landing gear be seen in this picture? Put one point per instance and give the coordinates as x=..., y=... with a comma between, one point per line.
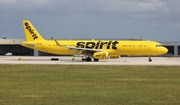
x=89, y=59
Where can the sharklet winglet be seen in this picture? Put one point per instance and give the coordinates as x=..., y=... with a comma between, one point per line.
x=57, y=42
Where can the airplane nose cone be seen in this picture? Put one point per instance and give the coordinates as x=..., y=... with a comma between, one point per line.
x=165, y=50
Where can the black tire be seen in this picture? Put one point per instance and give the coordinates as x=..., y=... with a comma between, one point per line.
x=83, y=59
x=96, y=60
x=54, y=59
x=150, y=60
x=88, y=59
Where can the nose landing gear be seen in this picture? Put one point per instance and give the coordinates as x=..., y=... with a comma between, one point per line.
x=150, y=60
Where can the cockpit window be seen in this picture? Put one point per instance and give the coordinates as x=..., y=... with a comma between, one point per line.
x=159, y=46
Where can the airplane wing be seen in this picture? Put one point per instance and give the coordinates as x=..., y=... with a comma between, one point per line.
x=85, y=51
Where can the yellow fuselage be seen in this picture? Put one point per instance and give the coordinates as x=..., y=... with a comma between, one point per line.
x=114, y=47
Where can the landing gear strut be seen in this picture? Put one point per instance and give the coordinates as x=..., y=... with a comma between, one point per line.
x=73, y=59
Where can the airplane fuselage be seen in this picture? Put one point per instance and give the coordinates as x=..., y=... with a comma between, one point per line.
x=115, y=47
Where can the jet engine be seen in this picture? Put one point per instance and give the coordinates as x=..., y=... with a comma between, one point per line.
x=101, y=55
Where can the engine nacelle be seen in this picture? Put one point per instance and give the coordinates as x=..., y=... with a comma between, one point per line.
x=101, y=55
x=114, y=56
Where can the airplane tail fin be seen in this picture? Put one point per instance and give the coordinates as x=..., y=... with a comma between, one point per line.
x=31, y=33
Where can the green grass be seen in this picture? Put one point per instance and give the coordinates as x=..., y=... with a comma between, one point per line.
x=89, y=85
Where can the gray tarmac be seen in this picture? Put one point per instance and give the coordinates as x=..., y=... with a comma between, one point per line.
x=67, y=60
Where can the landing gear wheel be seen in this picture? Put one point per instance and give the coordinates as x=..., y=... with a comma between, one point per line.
x=150, y=60
x=83, y=58
x=96, y=60
x=88, y=59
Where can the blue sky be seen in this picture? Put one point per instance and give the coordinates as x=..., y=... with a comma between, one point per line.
x=157, y=20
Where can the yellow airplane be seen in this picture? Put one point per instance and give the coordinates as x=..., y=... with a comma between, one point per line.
x=96, y=49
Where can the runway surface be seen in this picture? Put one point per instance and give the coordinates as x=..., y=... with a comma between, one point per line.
x=68, y=60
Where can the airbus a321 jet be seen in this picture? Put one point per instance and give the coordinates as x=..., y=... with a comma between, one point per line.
x=96, y=49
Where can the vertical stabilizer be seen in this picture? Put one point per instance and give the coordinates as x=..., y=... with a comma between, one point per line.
x=31, y=33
